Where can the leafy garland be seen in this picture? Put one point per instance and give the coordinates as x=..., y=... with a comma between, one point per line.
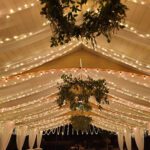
x=63, y=15
x=77, y=92
x=81, y=122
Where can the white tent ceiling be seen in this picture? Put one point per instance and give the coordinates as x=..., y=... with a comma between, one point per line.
x=29, y=99
x=25, y=36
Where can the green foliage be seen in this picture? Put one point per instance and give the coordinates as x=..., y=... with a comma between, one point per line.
x=104, y=20
x=77, y=92
x=81, y=122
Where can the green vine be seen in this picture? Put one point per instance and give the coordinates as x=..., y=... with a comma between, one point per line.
x=63, y=15
x=81, y=122
x=76, y=92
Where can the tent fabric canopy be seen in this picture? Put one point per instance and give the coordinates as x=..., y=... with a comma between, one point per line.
x=25, y=35
x=30, y=98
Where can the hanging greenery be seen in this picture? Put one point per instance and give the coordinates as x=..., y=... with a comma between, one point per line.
x=76, y=92
x=81, y=122
x=75, y=19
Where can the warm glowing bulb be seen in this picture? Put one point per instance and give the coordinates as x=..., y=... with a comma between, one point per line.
x=15, y=37
x=131, y=28
x=30, y=33
x=148, y=35
x=88, y=9
x=123, y=56
x=141, y=35
x=7, y=17
x=32, y=4
x=44, y=24
x=135, y=1
x=11, y=11
x=7, y=39
x=25, y=5
x=19, y=8
x=142, y=2
x=25, y=36
x=126, y=25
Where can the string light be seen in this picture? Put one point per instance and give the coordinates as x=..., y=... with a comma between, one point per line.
x=45, y=23
x=49, y=108
x=4, y=81
x=30, y=5
x=7, y=39
x=49, y=115
x=25, y=93
x=46, y=58
x=135, y=31
x=40, y=88
x=47, y=127
x=109, y=124
x=13, y=67
x=133, y=114
x=142, y=2
x=104, y=127
x=128, y=92
x=47, y=120
x=127, y=112
x=20, y=8
x=116, y=117
x=27, y=104
x=8, y=16
x=135, y=110
x=127, y=60
x=12, y=11
x=113, y=126
x=140, y=66
x=18, y=37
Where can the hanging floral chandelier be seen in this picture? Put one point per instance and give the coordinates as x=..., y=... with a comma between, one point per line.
x=76, y=93
x=83, y=19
